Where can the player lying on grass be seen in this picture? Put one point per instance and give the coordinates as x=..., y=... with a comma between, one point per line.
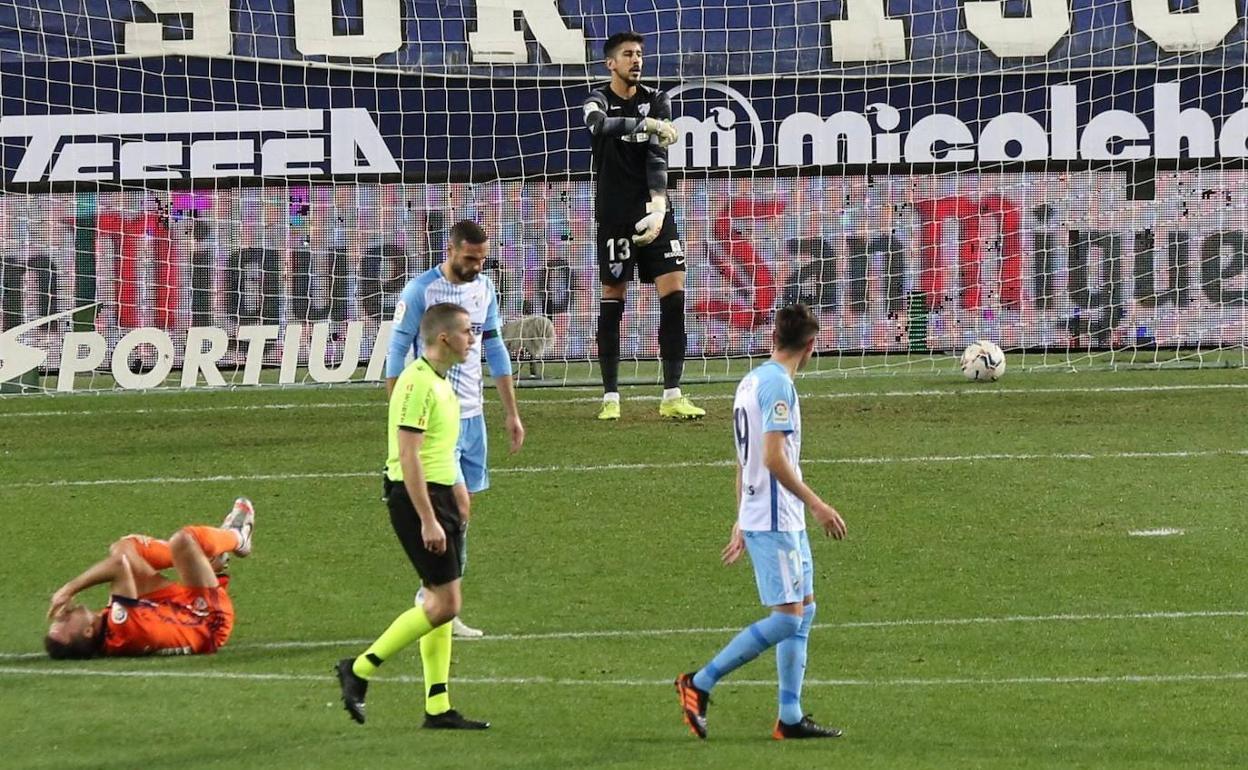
x=148, y=614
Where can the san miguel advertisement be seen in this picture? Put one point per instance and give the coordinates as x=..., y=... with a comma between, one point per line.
x=212, y=196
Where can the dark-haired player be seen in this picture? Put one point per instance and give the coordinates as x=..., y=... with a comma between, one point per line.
x=772, y=501
x=459, y=280
x=147, y=613
x=631, y=127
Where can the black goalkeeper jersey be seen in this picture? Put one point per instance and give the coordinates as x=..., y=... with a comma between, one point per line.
x=627, y=165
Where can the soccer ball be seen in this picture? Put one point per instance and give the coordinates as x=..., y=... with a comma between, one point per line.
x=983, y=361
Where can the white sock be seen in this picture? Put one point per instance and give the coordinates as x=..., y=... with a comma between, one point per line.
x=611, y=397
x=670, y=393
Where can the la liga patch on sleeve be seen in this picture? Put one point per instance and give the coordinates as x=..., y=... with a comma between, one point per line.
x=780, y=412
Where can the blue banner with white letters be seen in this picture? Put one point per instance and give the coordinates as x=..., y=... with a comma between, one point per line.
x=686, y=40
x=149, y=121
x=421, y=90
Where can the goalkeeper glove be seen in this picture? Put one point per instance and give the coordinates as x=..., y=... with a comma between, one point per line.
x=648, y=227
x=663, y=130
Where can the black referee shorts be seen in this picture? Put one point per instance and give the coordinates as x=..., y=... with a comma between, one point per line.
x=434, y=569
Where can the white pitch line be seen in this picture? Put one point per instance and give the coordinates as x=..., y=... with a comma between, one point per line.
x=653, y=632
x=886, y=460
x=380, y=404
x=1163, y=532
x=194, y=479
x=1179, y=454
x=855, y=624
x=1227, y=676
x=969, y=390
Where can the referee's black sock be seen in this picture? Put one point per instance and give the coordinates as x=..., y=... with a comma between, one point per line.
x=610, y=313
x=672, y=339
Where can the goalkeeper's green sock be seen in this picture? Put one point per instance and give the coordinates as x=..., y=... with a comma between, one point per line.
x=435, y=656
x=405, y=629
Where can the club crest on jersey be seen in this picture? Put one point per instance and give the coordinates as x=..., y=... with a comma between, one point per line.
x=780, y=413
x=643, y=109
x=119, y=614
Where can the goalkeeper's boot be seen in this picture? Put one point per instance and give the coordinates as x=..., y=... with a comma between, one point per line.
x=680, y=408
x=693, y=703
x=452, y=720
x=242, y=519
x=610, y=410
x=353, y=687
x=807, y=728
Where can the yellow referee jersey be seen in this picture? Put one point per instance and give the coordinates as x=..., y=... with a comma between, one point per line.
x=424, y=400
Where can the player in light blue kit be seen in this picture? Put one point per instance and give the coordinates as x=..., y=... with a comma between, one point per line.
x=771, y=524
x=459, y=280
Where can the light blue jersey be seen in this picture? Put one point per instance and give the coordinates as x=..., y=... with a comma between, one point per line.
x=478, y=297
x=766, y=401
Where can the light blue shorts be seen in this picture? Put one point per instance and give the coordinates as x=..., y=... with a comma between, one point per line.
x=782, y=566
x=470, y=454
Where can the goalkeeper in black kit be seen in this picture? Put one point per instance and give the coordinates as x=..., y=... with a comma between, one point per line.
x=631, y=127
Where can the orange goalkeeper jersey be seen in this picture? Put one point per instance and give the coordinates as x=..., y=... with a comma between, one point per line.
x=175, y=620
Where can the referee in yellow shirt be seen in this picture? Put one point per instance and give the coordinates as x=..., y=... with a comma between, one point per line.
x=420, y=476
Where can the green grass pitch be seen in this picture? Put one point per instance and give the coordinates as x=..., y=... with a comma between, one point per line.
x=990, y=608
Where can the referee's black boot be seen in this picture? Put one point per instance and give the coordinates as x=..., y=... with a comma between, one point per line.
x=354, y=689
x=807, y=728
x=452, y=720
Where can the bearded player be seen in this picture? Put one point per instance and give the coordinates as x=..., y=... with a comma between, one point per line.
x=148, y=614
x=631, y=128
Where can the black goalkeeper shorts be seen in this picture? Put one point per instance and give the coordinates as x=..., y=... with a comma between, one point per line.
x=619, y=257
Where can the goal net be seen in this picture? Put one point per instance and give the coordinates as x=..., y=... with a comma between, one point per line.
x=204, y=193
